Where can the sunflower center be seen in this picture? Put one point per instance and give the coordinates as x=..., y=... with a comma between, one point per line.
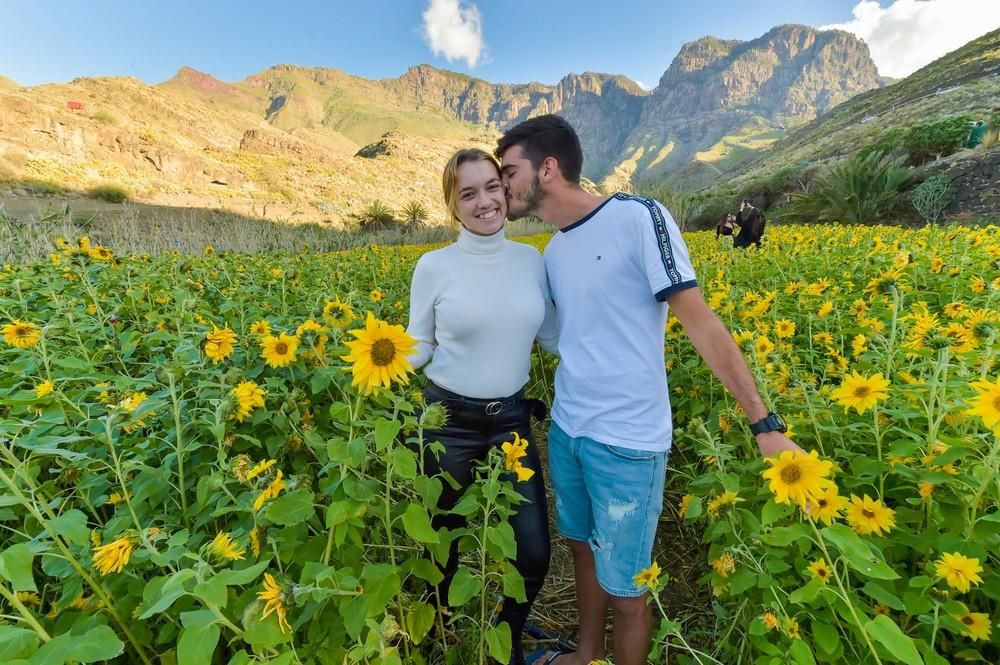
x=868, y=513
x=21, y=331
x=862, y=391
x=791, y=474
x=823, y=503
x=996, y=402
x=281, y=348
x=967, y=620
x=383, y=352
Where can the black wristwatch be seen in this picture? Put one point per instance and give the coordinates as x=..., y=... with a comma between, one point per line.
x=772, y=422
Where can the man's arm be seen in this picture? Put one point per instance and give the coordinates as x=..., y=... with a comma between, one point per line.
x=716, y=346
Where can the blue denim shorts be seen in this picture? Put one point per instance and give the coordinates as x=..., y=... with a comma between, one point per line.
x=610, y=497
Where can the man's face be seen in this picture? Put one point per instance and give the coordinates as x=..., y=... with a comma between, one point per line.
x=521, y=184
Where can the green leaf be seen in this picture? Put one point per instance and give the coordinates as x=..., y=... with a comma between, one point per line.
x=801, y=653
x=161, y=595
x=827, y=638
x=502, y=535
x=885, y=631
x=694, y=508
x=212, y=590
x=859, y=555
x=464, y=586
x=198, y=638
x=16, y=642
x=72, y=525
x=419, y=621
x=345, y=510
x=808, y=592
x=783, y=536
x=426, y=570
x=292, y=508
x=15, y=567
x=385, y=431
x=883, y=596
x=97, y=644
x=499, y=641
x=417, y=523
x=772, y=512
x=244, y=575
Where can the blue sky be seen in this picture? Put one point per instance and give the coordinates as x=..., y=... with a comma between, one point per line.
x=511, y=41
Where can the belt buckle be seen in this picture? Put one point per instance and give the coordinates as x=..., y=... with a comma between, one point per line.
x=493, y=408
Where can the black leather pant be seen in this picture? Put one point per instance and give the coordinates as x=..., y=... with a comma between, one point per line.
x=468, y=436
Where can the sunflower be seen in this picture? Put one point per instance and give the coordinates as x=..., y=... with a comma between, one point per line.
x=648, y=577
x=274, y=597
x=827, y=506
x=861, y=392
x=959, y=571
x=248, y=397
x=770, y=620
x=514, y=451
x=338, y=313
x=111, y=558
x=763, y=347
x=784, y=328
x=271, y=491
x=310, y=326
x=259, y=468
x=868, y=516
x=823, y=338
x=986, y=403
x=976, y=625
x=255, y=543
x=724, y=565
x=859, y=345
x=44, y=389
x=798, y=478
x=792, y=629
x=824, y=309
x=820, y=570
x=279, y=351
x=379, y=355
x=926, y=490
x=376, y=295
x=22, y=334
x=261, y=328
x=219, y=344
x=685, y=505
x=727, y=498
x=224, y=548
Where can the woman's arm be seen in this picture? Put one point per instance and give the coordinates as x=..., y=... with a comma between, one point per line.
x=421, y=326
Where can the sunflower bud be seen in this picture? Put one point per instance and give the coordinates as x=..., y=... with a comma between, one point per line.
x=434, y=416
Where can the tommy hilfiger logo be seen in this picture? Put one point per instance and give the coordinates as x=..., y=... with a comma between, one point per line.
x=598, y=257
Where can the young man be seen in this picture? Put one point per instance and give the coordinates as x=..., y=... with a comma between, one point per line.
x=614, y=267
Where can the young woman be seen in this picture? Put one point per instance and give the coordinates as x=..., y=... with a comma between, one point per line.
x=476, y=308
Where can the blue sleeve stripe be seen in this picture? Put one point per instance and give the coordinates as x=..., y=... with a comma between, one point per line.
x=662, y=237
x=663, y=294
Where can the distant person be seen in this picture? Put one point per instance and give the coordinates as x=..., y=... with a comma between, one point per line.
x=726, y=226
x=751, y=222
x=476, y=308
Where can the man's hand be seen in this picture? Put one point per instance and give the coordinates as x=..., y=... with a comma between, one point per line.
x=772, y=444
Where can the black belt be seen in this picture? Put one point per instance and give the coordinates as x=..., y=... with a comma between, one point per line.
x=491, y=407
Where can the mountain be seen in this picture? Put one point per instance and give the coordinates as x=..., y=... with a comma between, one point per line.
x=294, y=138
x=8, y=84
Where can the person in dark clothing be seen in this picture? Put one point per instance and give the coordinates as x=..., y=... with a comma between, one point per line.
x=751, y=222
x=726, y=226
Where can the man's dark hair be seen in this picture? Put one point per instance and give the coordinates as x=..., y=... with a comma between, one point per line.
x=546, y=136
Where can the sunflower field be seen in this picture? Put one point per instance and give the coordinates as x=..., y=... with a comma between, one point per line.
x=217, y=459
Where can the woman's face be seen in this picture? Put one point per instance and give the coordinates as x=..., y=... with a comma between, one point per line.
x=480, y=202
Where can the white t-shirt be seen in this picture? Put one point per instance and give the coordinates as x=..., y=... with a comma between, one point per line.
x=476, y=308
x=609, y=274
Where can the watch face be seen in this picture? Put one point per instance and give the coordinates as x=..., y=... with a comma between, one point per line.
x=777, y=423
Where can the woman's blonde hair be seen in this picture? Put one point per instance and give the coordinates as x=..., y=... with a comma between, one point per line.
x=449, y=178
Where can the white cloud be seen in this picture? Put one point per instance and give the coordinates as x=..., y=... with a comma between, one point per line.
x=908, y=34
x=454, y=30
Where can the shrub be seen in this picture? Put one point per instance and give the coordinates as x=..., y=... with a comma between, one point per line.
x=932, y=196
x=934, y=140
x=683, y=207
x=861, y=190
x=415, y=214
x=378, y=215
x=103, y=117
x=110, y=192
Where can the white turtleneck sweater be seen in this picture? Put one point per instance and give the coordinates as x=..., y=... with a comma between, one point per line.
x=476, y=307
